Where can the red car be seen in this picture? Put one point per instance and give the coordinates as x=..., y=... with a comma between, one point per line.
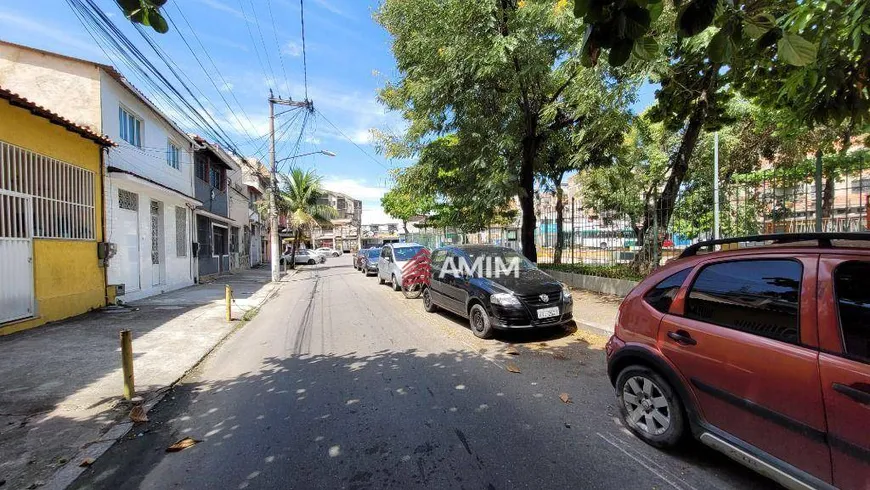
x=762, y=353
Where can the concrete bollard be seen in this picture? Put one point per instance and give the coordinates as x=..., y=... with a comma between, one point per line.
x=127, y=364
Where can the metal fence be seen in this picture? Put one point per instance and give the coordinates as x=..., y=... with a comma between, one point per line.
x=760, y=203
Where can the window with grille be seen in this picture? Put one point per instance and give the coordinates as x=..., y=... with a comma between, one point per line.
x=130, y=127
x=202, y=168
x=173, y=156
x=128, y=200
x=62, y=195
x=180, y=231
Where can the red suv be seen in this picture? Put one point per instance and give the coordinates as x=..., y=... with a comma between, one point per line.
x=762, y=353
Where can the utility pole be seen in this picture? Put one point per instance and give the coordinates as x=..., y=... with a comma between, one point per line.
x=273, y=195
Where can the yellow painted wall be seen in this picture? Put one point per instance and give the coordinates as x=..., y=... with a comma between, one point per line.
x=67, y=279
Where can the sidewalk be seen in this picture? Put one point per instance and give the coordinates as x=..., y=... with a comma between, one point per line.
x=595, y=310
x=61, y=383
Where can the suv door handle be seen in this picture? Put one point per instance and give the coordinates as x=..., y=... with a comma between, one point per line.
x=861, y=396
x=682, y=337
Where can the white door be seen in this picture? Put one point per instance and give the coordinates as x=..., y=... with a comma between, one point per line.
x=16, y=257
x=126, y=235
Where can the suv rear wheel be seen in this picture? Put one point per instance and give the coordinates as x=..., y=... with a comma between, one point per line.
x=649, y=407
x=428, y=304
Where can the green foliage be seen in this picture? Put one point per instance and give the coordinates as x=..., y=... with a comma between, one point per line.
x=298, y=198
x=617, y=271
x=405, y=202
x=145, y=12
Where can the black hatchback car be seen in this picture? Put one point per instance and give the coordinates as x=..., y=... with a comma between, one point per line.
x=495, y=288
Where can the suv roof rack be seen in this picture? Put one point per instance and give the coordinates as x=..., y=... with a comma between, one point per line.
x=824, y=240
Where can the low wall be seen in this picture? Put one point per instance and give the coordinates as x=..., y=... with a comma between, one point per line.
x=606, y=285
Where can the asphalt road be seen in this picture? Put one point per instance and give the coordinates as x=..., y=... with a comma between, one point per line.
x=342, y=383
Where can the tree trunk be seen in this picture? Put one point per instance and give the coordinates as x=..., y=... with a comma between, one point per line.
x=527, y=198
x=293, y=248
x=828, y=194
x=831, y=176
x=405, y=226
x=658, y=216
x=560, y=206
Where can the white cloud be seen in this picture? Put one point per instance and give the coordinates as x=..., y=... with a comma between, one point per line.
x=358, y=189
x=329, y=6
x=376, y=215
x=227, y=87
x=313, y=140
x=292, y=49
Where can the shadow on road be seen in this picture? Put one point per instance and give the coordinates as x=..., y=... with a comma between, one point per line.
x=399, y=419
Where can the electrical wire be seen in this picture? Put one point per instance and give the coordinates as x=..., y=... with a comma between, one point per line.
x=257, y=51
x=277, y=44
x=220, y=75
x=360, y=148
x=304, y=54
x=95, y=20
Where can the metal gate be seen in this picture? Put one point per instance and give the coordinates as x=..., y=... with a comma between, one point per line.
x=16, y=257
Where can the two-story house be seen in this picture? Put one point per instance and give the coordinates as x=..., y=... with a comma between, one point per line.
x=256, y=179
x=216, y=235
x=148, y=179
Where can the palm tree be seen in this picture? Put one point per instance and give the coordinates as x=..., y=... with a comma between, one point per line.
x=301, y=188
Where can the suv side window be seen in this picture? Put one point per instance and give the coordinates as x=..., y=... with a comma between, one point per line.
x=662, y=294
x=385, y=252
x=761, y=297
x=437, y=261
x=853, y=305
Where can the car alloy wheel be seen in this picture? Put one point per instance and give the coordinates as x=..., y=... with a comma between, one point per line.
x=396, y=285
x=648, y=409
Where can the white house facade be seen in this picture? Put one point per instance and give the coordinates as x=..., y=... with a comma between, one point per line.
x=148, y=183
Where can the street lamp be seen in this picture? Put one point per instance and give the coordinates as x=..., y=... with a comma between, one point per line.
x=319, y=152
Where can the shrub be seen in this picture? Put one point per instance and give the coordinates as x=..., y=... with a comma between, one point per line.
x=616, y=271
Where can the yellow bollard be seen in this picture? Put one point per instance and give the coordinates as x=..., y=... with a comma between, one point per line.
x=127, y=364
x=229, y=293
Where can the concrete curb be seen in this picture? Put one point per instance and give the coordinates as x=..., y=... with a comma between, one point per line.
x=67, y=474
x=615, y=287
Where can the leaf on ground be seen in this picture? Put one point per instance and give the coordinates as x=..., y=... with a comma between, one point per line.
x=512, y=368
x=565, y=398
x=512, y=352
x=86, y=462
x=182, y=445
x=137, y=415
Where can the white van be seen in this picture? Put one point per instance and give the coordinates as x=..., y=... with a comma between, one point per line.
x=393, y=258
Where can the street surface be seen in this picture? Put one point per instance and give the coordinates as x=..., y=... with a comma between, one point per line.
x=343, y=383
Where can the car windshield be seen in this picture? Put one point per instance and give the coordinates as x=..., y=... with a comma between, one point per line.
x=507, y=257
x=405, y=253
x=373, y=254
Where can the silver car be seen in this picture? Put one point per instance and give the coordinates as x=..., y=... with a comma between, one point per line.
x=392, y=260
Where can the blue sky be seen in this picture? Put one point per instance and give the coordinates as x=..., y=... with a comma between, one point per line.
x=348, y=60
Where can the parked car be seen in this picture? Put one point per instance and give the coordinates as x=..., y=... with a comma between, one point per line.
x=369, y=262
x=394, y=256
x=359, y=256
x=328, y=252
x=762, y=353
x=522, y=296
x=304, y=256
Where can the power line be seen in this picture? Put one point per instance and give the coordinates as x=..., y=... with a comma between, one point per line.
x=254, y=43
x=214, y=65
x=277, y=44
x=262, y=41
x=91, y=25
x=136, y=60
x=304, y=55
x=360, y=148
